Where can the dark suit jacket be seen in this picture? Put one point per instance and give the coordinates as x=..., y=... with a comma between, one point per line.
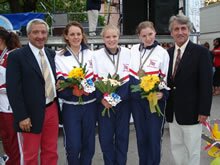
x=25, y=86
x=191, y=89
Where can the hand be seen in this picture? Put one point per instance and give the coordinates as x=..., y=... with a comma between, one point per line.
x=106, y=104
x=58, y=85
x=77, y=92
x=202, y=118
x=85, y=93
x=25, y=125
x=159, y=95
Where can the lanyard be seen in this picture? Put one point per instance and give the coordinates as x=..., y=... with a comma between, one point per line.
x=141, y=56
x=113, y=61
x=3, y=54
x=76, y=56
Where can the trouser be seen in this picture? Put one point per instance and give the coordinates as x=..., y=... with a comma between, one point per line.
x=79, y=122
x=114, y=133
x=46, y=142
x=185, y=143
x=93, y=16
x=9, y=138
x=149, y=130
x=216, y=77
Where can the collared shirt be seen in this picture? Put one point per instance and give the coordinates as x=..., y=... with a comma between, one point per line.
x=182, y=49
x=36, y=51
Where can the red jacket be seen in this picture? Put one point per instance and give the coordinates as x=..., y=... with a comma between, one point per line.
x=216, y=53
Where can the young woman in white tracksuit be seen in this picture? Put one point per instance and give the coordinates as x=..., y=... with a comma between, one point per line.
x=148, y=57
x=78, y=119
x=113, y=129
x=8, y=42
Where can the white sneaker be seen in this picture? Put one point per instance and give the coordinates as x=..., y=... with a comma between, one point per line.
x=92, y=34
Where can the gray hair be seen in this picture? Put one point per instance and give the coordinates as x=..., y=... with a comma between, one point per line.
x=35, y=21
x=181, y=19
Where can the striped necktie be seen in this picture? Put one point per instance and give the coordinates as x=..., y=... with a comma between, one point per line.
x=178, y=58
x=49, y=93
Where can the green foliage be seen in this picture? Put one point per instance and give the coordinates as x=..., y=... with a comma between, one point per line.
x=74, y=8
x=4, y=7
x=101, y=20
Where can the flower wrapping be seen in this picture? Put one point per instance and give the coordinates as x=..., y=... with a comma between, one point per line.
x=76, y=79
x=88, y=85
x=148, y=87
x=108, y=87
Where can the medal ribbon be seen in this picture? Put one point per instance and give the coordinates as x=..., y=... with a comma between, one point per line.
x=142, y=64
x=113, y=62
x=3, y=54
x=76, y=56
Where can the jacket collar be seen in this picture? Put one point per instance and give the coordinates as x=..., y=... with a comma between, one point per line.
x=82, y=47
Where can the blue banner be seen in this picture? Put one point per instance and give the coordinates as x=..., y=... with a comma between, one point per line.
x=20, y=19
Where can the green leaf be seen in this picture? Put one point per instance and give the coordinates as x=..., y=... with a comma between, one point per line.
x=69, y=82
x=104, y=111
x=135, y=88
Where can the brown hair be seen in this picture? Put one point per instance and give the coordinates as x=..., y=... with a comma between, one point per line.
x=77, y=24
x=11, y=39
x=143, y=25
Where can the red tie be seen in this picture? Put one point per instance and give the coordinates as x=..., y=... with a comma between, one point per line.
x=178, y=58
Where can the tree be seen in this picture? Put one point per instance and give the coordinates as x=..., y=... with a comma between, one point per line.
x=18, y=6
x=74, y=8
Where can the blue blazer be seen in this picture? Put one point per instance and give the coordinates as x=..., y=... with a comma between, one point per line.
x=25, y=87
x=191, y=89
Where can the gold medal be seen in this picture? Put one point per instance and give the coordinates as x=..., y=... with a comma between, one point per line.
x=141, y=73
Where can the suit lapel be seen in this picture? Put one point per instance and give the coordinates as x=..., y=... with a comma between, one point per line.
x=51, y=61
x=171, y=53
x=32, y=60
x=185, y=57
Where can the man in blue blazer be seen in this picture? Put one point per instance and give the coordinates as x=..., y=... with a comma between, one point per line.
x=189, y=102
x=35, y=112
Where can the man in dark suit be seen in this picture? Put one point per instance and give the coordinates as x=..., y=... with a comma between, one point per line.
x=30, y=73
x=189, y=102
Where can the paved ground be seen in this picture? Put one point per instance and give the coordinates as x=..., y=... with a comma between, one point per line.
x=166, y=154
x=132, y=153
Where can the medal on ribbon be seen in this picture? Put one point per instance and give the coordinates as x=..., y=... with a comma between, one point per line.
x=141, y=73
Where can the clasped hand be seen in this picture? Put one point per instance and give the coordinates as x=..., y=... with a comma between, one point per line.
x=106, y=104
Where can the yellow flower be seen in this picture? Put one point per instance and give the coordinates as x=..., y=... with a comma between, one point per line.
x=152, y=98
x=149, y=86
x=76, y=73
x=149, y=82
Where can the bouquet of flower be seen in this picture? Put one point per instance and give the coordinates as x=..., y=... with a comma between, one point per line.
x=149, y=86
x=76, y=80
x=108, y=87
